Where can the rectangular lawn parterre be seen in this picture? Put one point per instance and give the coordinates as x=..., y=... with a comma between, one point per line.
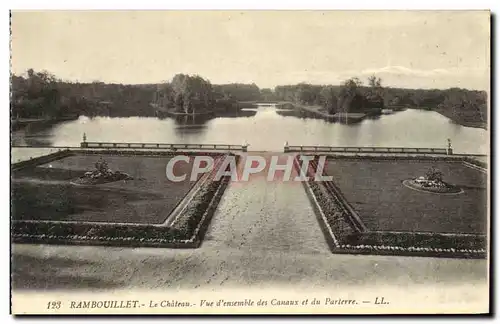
x=44, y=192
x=375, y=191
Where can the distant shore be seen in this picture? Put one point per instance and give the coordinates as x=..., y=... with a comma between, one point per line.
x=448, y=113
x=319, y=111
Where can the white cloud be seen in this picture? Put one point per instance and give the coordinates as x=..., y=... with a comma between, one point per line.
x=407, y=71
x=401, y=76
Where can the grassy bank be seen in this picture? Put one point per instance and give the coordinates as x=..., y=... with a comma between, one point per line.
x=469, y=120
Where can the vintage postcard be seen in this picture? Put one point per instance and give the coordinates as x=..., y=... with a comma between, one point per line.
x=250, y=162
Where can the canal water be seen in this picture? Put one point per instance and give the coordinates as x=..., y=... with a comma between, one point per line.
x=266, y=129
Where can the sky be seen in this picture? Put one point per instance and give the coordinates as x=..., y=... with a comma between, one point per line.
x=419, y=49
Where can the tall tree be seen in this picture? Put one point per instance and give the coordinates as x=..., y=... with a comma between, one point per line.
x=374, y=82
x=374, y=97
x=348, y=91
x=329, y=99
x=191, y=94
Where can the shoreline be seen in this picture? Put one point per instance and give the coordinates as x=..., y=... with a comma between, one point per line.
x=318, y=111
x=159, y=113
x=360, y=116
x=20, y=123
x=482, y=125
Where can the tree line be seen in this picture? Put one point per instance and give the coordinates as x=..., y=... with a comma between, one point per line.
x=42, y=95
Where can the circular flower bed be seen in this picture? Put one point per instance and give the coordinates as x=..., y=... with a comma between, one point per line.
x=93, y=178
x=441, y=188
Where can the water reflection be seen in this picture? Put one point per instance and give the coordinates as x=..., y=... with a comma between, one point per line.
x=203, y=119
x=373, y=117
x=265, y=128
x=310, y=115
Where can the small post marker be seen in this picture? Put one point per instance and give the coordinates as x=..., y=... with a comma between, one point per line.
x=449, y=151
x=286, y=146
x=84, y=143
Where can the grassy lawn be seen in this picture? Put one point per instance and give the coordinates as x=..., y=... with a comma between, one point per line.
x=375, y=190
x=45, y=192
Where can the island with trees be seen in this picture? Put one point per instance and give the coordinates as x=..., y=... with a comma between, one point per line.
x=348, y=101
x=193, y=95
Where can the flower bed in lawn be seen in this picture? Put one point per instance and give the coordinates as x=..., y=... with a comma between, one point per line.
x=345, y=235
x=187, y=231
x=447, y=189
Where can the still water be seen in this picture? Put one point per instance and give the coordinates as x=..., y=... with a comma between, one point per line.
x=266, y=129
